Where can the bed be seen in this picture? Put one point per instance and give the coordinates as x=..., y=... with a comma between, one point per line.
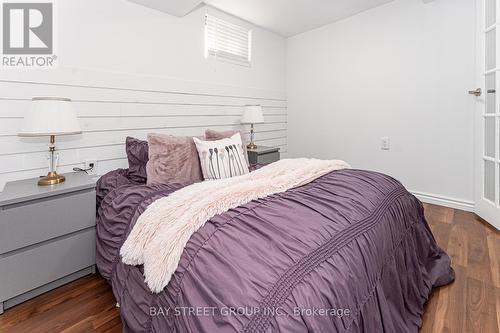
x=347, y=252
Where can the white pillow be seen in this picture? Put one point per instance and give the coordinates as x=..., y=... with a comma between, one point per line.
x=222, y=158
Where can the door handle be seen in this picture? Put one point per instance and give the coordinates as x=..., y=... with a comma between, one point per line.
x=478, y=92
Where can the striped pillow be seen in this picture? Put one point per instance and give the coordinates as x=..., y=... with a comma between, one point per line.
x=222, y=158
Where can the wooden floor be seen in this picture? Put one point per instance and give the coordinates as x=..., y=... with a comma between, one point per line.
x=470, y=304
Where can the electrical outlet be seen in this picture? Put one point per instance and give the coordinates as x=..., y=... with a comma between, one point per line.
x=385, y=143
x=91, y=167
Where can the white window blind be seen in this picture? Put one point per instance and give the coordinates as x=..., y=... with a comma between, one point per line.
x=227, y=41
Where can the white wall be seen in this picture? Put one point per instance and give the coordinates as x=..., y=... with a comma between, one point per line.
x=131, y=70
x=401, y=70
x=121, y=36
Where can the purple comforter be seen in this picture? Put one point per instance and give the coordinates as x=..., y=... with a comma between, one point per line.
x=349, y=252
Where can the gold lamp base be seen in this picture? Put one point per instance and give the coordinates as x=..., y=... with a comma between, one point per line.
x=251, y=146
x=52, y=178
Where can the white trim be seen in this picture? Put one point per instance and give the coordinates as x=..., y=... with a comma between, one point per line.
x=445, y=201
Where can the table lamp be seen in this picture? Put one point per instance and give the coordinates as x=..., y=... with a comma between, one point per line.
x=50, y=116
x=252, y=115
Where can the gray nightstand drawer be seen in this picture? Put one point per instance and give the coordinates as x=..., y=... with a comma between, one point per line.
x=268, y=158
x=263, y=155
x=40, y=265
x=47, y=236
x=36, y=221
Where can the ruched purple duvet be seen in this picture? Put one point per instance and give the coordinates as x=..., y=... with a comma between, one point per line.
x=349, y=252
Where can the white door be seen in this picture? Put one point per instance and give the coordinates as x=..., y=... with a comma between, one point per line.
x=487, y=113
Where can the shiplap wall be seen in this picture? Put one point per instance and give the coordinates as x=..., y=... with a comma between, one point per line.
x=113, y=106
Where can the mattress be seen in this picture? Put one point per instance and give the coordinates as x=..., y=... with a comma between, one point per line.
x=348, y=252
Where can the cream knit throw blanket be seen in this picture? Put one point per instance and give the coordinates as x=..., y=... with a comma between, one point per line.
x=160, y=234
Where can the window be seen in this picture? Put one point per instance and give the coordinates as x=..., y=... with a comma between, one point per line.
x=227, y=41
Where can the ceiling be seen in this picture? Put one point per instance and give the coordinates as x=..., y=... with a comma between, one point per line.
x=284, y=17
x=173, y=7
x=291, y=17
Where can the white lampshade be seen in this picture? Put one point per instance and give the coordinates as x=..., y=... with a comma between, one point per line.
x=50, y=116
x=252, y=115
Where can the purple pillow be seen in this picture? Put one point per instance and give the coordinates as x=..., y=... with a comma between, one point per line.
x=212, y=135
x=138, y=156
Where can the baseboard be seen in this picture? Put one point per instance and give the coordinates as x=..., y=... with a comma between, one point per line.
x=445, y=201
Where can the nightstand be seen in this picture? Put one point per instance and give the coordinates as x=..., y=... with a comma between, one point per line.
x=263, y=155
x=47, y=236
